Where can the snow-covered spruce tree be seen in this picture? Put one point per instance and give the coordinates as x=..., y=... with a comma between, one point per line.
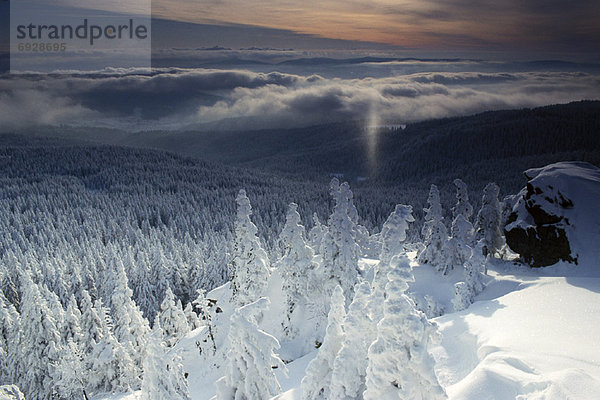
x=393, y=232
x=160, y=277
x=434, y=232
x=474, y=279
x=69, y=380
x=9, y=277
x=350, y=365
x=457, y=250
x=110, y=366
x=40, y=341
x=251, y=358
x=191, y=317
x=489, y=218
x=130, y=327
x=55, y=305
x=462, y=207
x=179, y=278
x=72, y=323
x=173, y=322
x=217, y=262
x=9, y=340
x=249, y=264
x=203, y=306
x=317, y=382
x=92, y=324
x=143, y=290
x=360, y=233
x=400, y=366
x=393, y=235
x=315, y=235
x=462, y=229
x=338, y=248
x=164, y=377
x=294, y=266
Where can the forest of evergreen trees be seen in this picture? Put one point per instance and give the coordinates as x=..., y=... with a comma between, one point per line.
x=107, y=254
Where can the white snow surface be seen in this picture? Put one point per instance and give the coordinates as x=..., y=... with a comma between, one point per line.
x=530, y=335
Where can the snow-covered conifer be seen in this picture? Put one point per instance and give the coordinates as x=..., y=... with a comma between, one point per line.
x=315, y=235
x=489, y=220
x=250, y=264
x=361, y=234
x=191, y=317
x=393, y=232
x=393, y=235
x=203, y=306
x=179, y=278
x=159, y=278
x=69, y=381
x=251, y=358
x=433, y=213
x=350, y=365
x=92, y=324
x=9, y=276
x=462, y=229
x=164, y=377
x=9, y=340
x=110, y=366
x=173, y=322
x=400, y=366
x=434, y=232
x=317, y=382
x=130, y=327
x=456, y=249
x=294, y=265
x=72, y=323
x=40, y=341
x=462, y=207
x=144, y=291
x=474, y=277
x=338, y=248
x=55, y=305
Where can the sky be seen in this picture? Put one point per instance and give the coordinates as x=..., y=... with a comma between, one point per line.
x=550, y=26
x=552, y=29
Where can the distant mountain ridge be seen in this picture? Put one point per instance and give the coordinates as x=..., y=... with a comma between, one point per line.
x=508, y=141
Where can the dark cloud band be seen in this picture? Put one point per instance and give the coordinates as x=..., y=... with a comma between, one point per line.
x=183, y=98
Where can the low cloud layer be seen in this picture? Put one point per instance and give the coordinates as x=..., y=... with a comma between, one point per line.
x=190, y=98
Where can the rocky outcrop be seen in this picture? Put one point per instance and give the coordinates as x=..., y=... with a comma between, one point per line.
x=541, y=226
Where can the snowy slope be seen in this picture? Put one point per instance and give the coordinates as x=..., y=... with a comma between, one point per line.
x=532, y=334
x=539, y=340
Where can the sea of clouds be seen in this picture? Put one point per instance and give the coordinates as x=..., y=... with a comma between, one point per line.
x=183, y=98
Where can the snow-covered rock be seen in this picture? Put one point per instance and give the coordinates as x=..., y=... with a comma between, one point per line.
x=555, y=217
